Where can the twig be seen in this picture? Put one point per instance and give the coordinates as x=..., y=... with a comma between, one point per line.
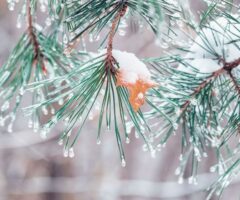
x=74, y=42
x=202, y=86
x=110, y=60
x=31, y=30
x=117, y=18
x=227, y=67
x=234, y=82
x=33, y=38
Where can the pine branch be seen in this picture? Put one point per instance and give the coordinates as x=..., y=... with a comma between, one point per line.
x=201, y=87
x=37, y=52
x=196, y=91
x=115, y=22
x=93, y=16
x=31, y=30
x=236, y=85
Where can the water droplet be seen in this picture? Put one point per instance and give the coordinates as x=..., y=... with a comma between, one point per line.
x=178, y=171
x=30, y=123
x=60, y=102
x=180, y=180
x=71, y=153
x=60, y=142
x=9, y=129
x=123, y=162
x=43, y=134
x=65, y=153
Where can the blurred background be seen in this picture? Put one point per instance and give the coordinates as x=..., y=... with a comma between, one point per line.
x=35, y=169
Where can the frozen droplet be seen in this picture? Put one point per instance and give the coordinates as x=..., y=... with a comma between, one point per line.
x=164, y=45
x=205, y=155
x=181, y=157
x=136, y=135
x=190, y=180
x=71, y=153
x=44, y=110
x=48, y=21
x=65, y=153
x=30, y=123
x=70, y=95
x=90, y=117
x=90, y=38
x=175, y=126
x=9, y=128
x=213, y=169
x=43, y=8
x=52, y=111
x=5, y=106
x=19, y=24
x=180, y=180
x=153, y=153
x=60, y=102
x=178, y=171
x=21, y=91
x=43, y=134
x=65, y=39
x=69, y=133
x=11, y=6
x=54, y=119
x=99, y=142
x=18, y=98
x=145, y=147
x=60, y=142
x=123, y=162
x=2, y=121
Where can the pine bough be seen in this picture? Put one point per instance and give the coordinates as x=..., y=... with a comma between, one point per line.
x=193, y=90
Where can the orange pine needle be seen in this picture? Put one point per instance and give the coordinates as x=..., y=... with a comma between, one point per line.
x=137, y=90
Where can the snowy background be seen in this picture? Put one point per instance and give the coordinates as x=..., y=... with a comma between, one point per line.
x=33, y=169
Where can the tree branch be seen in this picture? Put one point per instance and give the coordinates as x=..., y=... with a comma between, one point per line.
x=227, y=67
x=117, y=18
x=201, y=86
x=234, y=81
x=33, y=38
x=115, y=22
x=31, y=30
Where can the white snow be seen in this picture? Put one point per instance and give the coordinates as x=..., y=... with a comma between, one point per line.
x=203, y=65
x=217, y=38
x=131, y=67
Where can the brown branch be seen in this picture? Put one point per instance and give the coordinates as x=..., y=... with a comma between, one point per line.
x=227, y=67
x=117, y=18
x=202, y=86
x=31, y=30
x=234, y=81
x=33, y=38
x=74, y=42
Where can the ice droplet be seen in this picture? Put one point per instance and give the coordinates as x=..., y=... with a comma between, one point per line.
x=123, y=162
x=71, y=153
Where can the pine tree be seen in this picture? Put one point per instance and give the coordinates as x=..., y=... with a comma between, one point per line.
x=193, y=89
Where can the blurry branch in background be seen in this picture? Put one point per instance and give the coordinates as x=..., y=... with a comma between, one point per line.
x=113, y=189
